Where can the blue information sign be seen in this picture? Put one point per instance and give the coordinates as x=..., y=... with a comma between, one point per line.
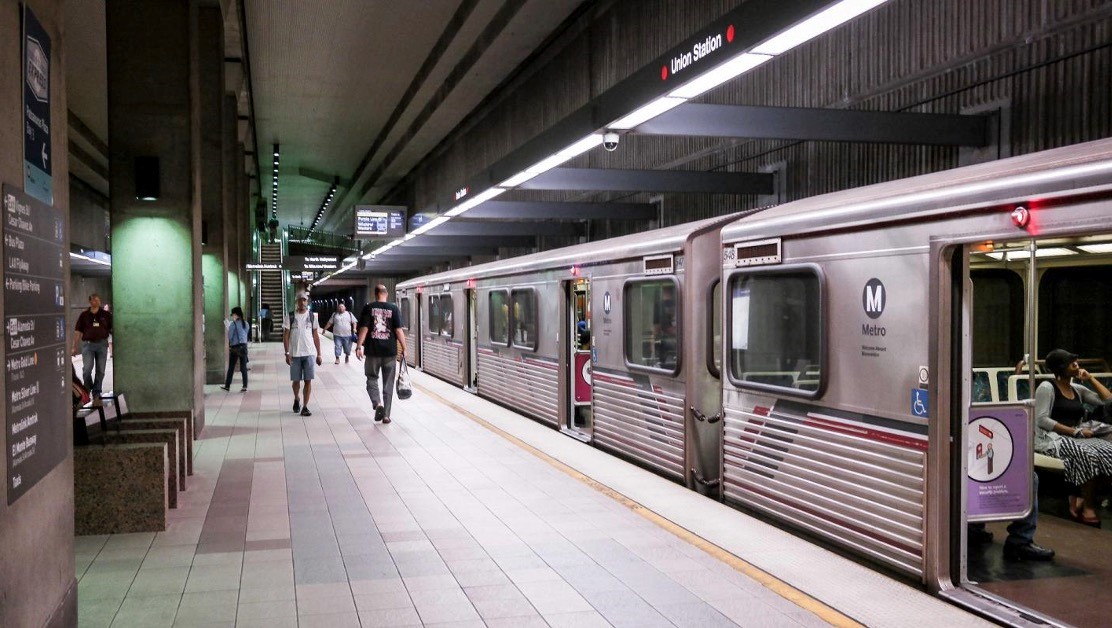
x=38, y=180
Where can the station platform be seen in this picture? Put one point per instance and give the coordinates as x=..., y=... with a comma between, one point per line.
x=457, y=513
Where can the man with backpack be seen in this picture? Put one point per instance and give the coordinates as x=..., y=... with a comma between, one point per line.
x=301, y=338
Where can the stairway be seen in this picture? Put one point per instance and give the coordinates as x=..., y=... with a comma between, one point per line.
x=270, y=288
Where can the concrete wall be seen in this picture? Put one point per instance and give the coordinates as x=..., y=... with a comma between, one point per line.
x=37, y=584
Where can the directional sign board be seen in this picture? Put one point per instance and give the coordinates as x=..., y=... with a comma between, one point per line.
x=38, y=180
x=36, y=415
x=310, y=263
x=379, y=222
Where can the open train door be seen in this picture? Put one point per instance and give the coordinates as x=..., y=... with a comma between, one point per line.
x=471, y=367
x=577, y=349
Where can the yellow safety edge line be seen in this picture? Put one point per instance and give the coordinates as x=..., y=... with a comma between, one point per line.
x=824, y=612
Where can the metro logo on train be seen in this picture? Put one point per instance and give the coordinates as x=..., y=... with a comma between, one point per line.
x=873, y=298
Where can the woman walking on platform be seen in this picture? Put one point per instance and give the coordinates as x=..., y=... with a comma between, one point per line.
x=237, y=348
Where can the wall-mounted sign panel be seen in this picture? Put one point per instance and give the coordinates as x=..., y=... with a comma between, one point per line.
x=379, y=222
x=35, y=362
x=311, y=263
x=270, y=266
x=38, y=178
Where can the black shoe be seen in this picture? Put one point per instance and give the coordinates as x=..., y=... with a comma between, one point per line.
x=244, y=389
x=979, y=536
x=305, y=411
x=224, y=388
x=1030, y=551
x=380, y=412
x=296, y=404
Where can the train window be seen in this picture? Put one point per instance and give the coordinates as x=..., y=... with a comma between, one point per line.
x=404, y=305
x=651, y=324
x=714, y=336
x=434, y=314
x=499, y=317
x=998, y=312
x=524, y=318
x=446, y=324
x=775, y=330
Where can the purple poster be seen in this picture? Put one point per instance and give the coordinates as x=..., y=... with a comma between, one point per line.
x=1000, y=462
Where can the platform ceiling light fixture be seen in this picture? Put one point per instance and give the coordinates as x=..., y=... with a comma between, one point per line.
x=808, y=29
x=324, y=206
x=548, y=163
x=274, y=186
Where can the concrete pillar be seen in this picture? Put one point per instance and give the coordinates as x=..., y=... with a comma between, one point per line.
x=153, y=110
x=214, y=258
x=37, y=584
x=230, y=225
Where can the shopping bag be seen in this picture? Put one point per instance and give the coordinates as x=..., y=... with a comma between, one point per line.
x=404, y=387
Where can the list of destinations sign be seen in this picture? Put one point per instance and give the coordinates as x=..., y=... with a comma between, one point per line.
x=36, y=418
x=379, y=222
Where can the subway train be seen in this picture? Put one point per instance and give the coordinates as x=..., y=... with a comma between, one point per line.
x=819, y=362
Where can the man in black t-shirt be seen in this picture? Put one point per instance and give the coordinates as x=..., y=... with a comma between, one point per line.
x=94, y=330
x=381, y=334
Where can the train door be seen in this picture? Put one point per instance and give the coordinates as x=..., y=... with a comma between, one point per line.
x=577, y=419
x=471, y=374
x=1027, y=322
x=418, y=330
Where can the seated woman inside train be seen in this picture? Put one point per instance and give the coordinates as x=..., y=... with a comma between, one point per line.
x=1059, y=413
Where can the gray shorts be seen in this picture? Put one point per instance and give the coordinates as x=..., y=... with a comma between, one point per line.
x=302, y=368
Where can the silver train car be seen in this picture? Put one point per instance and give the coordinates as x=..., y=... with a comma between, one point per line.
x=824, y=362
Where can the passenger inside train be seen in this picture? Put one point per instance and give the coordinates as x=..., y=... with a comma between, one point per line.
x=1070, y=310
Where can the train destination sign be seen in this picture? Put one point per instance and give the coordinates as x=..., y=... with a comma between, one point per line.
x=36, y=429
x=310, y=263
x=379, y=222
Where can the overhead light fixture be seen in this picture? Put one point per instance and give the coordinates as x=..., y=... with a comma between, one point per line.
x=1018, y=254
x=470, y=203
x=713, y=78
x=816, y=25
x=89, y=259
x=648, y=112
x=1096, y=248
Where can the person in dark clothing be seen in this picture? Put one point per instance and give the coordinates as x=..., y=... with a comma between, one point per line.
x=94, y=327
x=381, y=334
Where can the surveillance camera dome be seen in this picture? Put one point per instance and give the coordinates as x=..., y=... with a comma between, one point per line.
x=610, y=141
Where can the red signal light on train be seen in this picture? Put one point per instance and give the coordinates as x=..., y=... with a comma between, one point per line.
x=574, y=271
x=471, y=283
x=1021, y=216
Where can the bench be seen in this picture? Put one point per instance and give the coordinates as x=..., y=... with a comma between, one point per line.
x=120, y=488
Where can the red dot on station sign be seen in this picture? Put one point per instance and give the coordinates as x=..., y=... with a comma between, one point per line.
x=664, y=73
x=730, y=34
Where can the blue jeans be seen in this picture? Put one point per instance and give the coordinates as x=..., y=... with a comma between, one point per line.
x=342, y=342
x=1022, y=531
x=93, y=352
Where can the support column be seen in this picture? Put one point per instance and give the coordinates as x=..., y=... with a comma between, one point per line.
x=231, y=205
x=153, y=111
x=214, y=259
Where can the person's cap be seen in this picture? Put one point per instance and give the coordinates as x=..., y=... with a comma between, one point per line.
x=1059, y=360
x=582, y=325
x=302, y=295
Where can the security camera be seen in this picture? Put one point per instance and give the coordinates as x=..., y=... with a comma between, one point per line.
x=610, y=141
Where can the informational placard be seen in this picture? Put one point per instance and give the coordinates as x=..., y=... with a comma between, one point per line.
x=379, y=222
x=36, y=416
x=38, y=179
x=270, y=266
x=310, y=263
x=999, y=463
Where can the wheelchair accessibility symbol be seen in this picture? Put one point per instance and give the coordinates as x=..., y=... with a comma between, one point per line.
x=919, y=402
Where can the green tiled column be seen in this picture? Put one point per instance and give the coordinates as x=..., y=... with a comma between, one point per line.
x=153, y=110
x=214, y=209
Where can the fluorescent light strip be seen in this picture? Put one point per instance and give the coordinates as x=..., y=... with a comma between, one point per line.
x=1025, y=254
x=1096, y=248
x=90, y=259
x=542, y=166
x=713, y=78
x=816, y=25
x=470, y=204
x=649, y=111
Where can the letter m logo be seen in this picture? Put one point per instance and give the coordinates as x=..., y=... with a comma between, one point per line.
x=874, y=298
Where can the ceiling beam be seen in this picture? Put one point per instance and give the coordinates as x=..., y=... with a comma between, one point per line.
x=444, y=239
x=832, y=125
x=489, y=228
x=556, y=210
x=432, y=251
x=617, y=180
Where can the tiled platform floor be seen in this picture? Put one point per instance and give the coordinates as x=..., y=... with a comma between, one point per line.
x=333, y=520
